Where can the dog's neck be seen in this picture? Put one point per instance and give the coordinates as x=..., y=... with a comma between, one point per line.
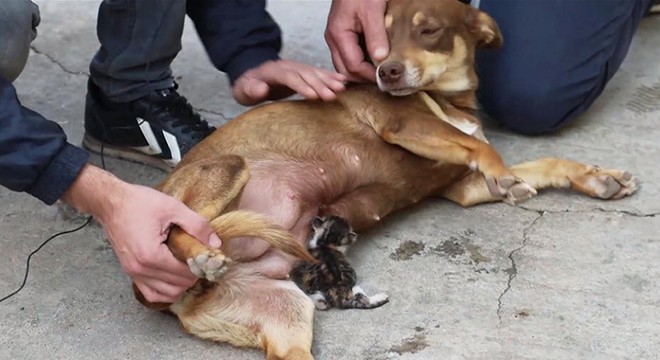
x=465, y=102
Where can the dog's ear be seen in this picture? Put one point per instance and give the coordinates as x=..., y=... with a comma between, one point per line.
x=484, y=28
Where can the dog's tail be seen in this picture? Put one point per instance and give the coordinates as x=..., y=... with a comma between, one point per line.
x=241, y=223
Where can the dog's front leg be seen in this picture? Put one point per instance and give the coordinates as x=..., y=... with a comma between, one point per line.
x=425, y=136
x=545, y=173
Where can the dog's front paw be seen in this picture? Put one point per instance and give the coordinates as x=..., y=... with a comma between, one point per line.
x=510, y=189
x=209, y=265
x=606, y=183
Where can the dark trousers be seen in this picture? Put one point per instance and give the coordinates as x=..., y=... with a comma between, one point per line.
x=139, y=40
x=558, y=55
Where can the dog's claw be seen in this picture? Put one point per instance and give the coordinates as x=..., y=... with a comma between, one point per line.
x=209, y=265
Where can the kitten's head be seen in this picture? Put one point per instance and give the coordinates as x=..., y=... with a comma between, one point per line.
x=331, y=232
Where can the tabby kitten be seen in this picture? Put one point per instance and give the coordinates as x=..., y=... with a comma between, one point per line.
x=331, y=282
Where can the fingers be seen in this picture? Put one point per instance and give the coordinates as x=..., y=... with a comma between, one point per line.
x=268, y=80
x=337, y=61
x=375, y=35
x=158, y=291
x=195, y=225
x=324, y=84
x=159, y=263
x=162, y=278
x=249, y=91
x=352, y=57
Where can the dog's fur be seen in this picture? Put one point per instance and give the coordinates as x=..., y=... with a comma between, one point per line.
x=362, y=157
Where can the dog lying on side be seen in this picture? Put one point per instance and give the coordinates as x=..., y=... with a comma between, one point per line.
x=263, y=176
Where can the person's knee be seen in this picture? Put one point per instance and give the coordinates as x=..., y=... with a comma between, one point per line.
x=535, y=108
x=18, y=23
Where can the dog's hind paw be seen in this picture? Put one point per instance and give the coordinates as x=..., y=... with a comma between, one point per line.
x=510, y=189
x=209, y=265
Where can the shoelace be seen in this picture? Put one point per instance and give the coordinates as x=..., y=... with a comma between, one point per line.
x=186, y=117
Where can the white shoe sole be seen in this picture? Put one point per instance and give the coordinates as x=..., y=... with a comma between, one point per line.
x=124, y=153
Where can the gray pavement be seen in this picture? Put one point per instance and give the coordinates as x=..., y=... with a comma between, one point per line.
x=562, y=277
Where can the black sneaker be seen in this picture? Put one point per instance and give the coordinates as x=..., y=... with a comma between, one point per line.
x=654, y=8
x=157, y=129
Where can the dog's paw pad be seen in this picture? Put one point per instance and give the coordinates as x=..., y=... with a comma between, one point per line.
x=612, y=184
x=510, y=189
x=209, y=265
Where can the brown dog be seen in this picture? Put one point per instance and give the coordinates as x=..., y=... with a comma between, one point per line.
x=266, y=174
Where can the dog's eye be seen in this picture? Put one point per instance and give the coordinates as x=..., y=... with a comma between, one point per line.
x=431, y=31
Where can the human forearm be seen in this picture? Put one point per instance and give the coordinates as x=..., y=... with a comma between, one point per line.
x=34, y=154
x=95, y=191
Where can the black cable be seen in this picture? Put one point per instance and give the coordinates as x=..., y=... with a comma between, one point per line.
x=89, y=219
x=27, y=267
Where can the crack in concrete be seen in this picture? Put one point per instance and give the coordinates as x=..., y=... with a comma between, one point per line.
x=217, y=113
x=513, y=270
x=59, y=64
x=599, y=209
x=69, y=71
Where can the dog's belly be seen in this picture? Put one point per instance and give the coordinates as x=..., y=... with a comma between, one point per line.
x=291, y=192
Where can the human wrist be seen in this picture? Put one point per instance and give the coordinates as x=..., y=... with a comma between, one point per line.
x=95, y=191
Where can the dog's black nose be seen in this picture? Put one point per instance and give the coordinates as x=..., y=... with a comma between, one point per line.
x=390, y=71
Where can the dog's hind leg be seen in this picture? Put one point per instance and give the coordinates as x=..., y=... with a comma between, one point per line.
x=550, y=173
x=248, y=310
x=209, y=187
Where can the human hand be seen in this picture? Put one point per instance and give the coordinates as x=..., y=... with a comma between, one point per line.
x=274, y=80
x=348, y=19
x=137, y=220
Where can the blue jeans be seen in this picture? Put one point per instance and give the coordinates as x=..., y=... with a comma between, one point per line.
x=557, y=57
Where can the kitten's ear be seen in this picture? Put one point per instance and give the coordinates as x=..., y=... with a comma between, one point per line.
x=317, y=222
x=352, y=236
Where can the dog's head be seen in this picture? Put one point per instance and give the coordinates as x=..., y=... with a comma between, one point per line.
x=432, y=46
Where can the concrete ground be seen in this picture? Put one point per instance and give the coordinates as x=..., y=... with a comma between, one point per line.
x=561, y=277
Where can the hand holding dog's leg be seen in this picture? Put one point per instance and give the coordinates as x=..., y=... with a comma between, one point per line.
x=137, y=220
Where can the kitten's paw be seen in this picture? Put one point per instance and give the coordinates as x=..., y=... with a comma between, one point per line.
x=319, y=300
x=363, y=301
